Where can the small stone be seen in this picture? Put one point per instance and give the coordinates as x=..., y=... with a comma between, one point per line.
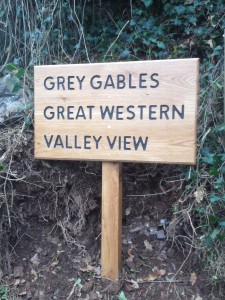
x=160, y=234
x=35, y=259
x=170, y=252
x=87, y=287
x=18, y=271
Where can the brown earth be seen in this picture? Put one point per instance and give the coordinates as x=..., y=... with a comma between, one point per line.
x=52, y=249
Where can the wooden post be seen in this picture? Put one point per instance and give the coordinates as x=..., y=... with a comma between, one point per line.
x=111, y=219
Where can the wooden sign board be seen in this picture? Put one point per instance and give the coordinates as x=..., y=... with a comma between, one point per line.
x=141, y=111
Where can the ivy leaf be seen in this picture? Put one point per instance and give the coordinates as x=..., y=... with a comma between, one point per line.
x=78, y=282
x=220, y=127
x=147, y=3
x=219, y=183
x=192, y=20
x=27, y=121
x=215, y=233
x=122, y=296
x=11, y=67
x=180, y=9
x=208, y=158
x=125, y=53
x=20, y=73
x=222, y=224
x=161, y=45
x=215, y=198
x=16, y=88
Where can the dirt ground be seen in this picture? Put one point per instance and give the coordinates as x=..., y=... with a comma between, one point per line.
x=53, y=245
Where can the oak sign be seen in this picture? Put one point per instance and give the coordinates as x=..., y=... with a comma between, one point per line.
x=143, y=111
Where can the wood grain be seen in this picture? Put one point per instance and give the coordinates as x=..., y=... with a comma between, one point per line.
x=111, y=219
x=169, y=140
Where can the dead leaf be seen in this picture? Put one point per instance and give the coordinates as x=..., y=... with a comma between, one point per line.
x=131, y=256
x=134, y=285
x=193, y=278
x=149, y=278
x=35, y=259
x=54, y=263
x=88, y=268
x=34, y=273
x=159, y=272
x=22, y=292
x=199, y=194
x=148, y=246
x=17, y=282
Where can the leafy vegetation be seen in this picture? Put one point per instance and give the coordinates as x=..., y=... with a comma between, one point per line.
x=53, y=32
x=3, y=293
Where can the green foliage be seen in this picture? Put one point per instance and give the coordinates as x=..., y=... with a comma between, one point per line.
x=60, y=32
x=4, y=293
x=122, y=296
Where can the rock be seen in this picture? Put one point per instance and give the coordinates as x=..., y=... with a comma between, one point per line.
x=170, y=252
x=35, y=259
x=12, y=105
x=87, y=287
x=93, y=296
x=18, y=271
x=160, y=234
